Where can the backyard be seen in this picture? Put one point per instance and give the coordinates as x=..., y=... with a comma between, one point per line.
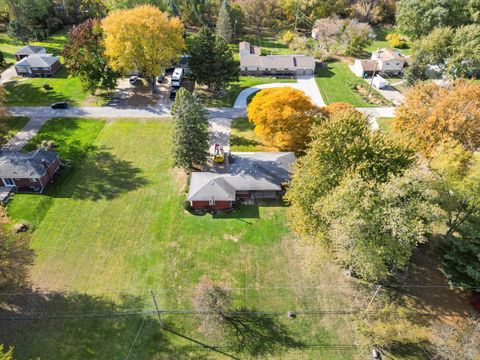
x=113, y=226
x=243, y=137
x=381, y=42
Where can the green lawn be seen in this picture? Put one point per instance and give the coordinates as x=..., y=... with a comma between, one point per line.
x=227, y=99
x=381, y=42
x=333, y=83
x=113, y=226
x=53, y=44
x=30, y=92
x=9, y=126
x=243, y=137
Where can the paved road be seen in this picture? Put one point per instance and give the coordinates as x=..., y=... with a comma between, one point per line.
x=91, y=112
x=378, y=112
x=306, y=84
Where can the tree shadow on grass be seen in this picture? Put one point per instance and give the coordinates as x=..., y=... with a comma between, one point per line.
x=236, y=140
x=81, y=326
x=257, y=334
x=102, y=176
x=410, y=350
x=23, y=92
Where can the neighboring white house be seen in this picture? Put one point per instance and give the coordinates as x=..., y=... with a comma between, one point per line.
x=383, y=61
x=252, y=63
x=389, y=61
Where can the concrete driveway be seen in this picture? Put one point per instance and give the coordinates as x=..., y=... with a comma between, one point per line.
x=307, y=84
x=7, y=75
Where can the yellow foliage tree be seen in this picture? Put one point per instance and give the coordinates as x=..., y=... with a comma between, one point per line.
x=142, y=39
x=434, y=114
x=283, y=117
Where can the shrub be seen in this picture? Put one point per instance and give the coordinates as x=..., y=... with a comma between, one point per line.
x=394, y=40
x=288, y=37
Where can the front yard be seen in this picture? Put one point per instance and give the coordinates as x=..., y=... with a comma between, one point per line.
x=227, y=97
x=9, y=126
x=113, y=226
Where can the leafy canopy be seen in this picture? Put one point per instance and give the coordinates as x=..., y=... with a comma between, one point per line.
x=433, y=114
x=142, y=39
x=190, y=134
x=224, y=23
x=84, y=57
x=373, y=228
x=343, y=143
x=283, y=117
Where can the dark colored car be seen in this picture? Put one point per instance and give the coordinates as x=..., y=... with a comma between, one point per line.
x=173, y=95
x=133, y=80
x=59, y=105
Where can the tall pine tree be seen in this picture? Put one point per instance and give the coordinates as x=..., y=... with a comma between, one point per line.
x=224, y=22
x=190, y=134
x=211, y=60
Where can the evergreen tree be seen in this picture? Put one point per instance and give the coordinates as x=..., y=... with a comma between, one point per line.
x=190, y=134
x=224, y=23
x=211, y=60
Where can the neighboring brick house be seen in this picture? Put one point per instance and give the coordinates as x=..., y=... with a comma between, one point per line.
x=28, y=171
x=29, y=50
x=253, y=63
x=383, y=61
x=245, y=178
x=38, y=65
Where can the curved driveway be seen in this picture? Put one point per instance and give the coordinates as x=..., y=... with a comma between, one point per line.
x=307, y=84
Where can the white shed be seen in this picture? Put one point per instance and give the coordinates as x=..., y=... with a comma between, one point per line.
x=379, y=82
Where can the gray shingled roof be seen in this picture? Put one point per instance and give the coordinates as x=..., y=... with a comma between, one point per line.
x=259, y=171
x=38, y=60
x=30, y=50
x=16, y=164
x=280, y=62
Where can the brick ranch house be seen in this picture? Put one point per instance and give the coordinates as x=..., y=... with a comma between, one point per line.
x=34, y=61
x=245, y=178
x=28, y=171
x=253, y=63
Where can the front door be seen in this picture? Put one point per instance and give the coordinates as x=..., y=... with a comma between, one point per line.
x=8, y=182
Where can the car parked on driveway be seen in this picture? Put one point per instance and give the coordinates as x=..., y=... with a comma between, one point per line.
x=59, y=105
x=173, y=94
x=133, y=80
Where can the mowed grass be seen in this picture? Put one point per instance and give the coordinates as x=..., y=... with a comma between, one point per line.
x=113, y=227
x=333, y=83
x=9, y=126
x=228, y=97
x=243, y=137
x=53, y=44
x=385, y=124
x=381, y=42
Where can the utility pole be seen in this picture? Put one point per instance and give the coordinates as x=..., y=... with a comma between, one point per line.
x=296, y=16
x=156, y=307
x=371, y=301
x=373, y=76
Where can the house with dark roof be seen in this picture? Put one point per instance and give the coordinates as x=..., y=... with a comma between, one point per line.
x=28, y=171
x=39, y=65
x=244, y=178
x=253, y=63
x=29, y=50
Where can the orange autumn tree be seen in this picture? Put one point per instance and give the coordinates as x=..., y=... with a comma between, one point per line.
x=434, y=114
x=283, y=117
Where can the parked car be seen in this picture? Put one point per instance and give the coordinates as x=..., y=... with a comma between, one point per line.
x=59, y=105
x=133, y=80
x=173, y=94
x=177, y=78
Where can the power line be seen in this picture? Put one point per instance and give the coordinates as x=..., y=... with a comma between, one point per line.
x=135, y=339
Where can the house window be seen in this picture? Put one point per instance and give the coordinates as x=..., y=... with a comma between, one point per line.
x=211, y=201
x=8, y=182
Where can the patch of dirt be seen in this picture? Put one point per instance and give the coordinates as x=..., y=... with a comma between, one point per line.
x=180, y=178
x=233, y=238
